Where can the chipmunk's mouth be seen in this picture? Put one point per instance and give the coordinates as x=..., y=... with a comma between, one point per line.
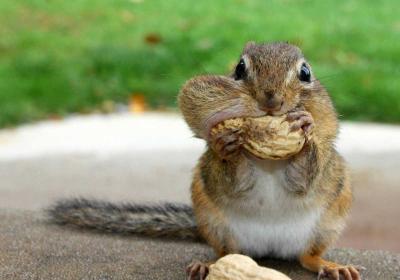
x=277, y=111
x=282, y=110
x=268, y=112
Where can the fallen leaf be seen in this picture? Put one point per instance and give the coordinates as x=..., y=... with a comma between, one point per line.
x=152, y=39
x=137, y=103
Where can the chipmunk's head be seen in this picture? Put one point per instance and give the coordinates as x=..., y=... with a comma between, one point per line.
x=276, y=74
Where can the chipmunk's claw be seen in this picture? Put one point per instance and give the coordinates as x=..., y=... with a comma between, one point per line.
x=197, y=270
x=301, y=120
x=348, y=272
x=227, y=144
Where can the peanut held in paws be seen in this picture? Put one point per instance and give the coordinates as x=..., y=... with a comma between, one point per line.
x=267, y=137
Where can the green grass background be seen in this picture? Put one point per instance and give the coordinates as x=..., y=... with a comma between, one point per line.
x=58, y=57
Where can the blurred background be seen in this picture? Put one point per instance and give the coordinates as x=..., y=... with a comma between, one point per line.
x=60, y=57
x=88, y=95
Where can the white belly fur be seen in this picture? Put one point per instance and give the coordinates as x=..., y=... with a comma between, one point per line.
x=268, y=221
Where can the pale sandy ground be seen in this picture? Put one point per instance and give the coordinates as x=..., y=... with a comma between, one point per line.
x=149, y=158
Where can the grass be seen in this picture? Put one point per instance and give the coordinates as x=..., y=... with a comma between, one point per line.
x=58, y=57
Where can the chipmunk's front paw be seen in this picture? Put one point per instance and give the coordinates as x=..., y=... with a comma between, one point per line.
x=301, y=120
x=347, y=272
x=226, y=143
x=197, y=270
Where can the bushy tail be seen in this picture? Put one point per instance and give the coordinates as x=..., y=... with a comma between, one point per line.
x=159, y=220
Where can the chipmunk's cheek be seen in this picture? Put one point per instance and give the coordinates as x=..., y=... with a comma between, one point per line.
x=292, y=102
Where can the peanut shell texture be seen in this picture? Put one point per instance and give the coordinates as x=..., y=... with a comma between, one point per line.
x=267, y=137
x=240, y=267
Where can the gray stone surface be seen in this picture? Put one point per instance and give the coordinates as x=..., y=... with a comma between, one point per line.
x=165, y=175
x=30, y=248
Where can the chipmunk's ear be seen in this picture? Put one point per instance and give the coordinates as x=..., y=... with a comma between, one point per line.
x=249, y=45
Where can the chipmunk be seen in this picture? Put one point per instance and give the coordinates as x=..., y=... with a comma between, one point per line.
x=291, y=208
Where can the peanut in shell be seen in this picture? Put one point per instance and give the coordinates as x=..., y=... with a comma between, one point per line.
x=240, y=267
x=267, y=137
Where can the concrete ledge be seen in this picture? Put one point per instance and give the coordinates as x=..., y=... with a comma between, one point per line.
x=32, y=249
x=108, y=135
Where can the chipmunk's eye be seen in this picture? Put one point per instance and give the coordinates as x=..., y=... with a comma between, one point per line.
x=305, y=73
x=240, y=71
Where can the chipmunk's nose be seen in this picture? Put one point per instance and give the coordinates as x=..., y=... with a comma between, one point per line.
x=273, y=101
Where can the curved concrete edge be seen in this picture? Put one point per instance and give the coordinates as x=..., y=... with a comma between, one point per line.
x=30, y=248
x=118, y=133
